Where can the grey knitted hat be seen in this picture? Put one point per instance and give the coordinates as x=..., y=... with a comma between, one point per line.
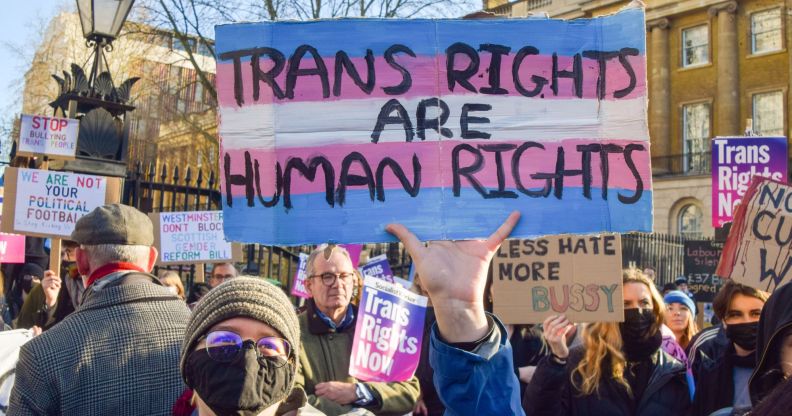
x=242, y=296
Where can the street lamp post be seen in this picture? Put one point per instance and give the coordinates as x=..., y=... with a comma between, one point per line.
x=101, y=107
x=101, y=21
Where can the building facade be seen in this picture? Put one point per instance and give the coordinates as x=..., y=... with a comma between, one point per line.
x=169, y=92
x=714, y=68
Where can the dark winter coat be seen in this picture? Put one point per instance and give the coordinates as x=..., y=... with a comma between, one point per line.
x=774, y=324
x=118, y=354
x=550, y=392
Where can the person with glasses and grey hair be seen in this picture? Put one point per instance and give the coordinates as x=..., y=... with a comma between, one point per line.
x=327, y=329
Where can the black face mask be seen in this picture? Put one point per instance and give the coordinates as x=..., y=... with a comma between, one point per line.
x=743, y=335
x=638, y=340
x=245, y=386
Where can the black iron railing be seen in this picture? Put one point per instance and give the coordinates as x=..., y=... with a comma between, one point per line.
x=162, y=189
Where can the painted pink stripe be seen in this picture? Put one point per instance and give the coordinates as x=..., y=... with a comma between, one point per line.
x=423, y=72
x=432, y=157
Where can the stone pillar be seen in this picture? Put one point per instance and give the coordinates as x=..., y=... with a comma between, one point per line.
x=727, y=102
x=659, y=94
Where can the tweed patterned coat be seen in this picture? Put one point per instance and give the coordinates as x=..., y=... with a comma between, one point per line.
x=118, y=354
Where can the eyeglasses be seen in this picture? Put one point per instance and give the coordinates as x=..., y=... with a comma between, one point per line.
x=223, y=277
x=329, y=279
x=224, y=346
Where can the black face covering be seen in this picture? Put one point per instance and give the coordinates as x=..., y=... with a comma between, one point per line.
x=743, y=335
x=638, y=340
x=244, y=387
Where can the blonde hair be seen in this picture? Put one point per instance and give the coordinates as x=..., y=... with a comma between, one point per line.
x=171, y=278
x=602, y=343
x=691, y=329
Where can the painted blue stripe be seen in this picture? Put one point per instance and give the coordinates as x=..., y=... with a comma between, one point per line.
x=427, y=37
x=468, y=216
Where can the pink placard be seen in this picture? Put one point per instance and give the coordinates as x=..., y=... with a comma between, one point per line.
x=354, y=252
x=12, y=248
x=388, y=333
x=298, y=288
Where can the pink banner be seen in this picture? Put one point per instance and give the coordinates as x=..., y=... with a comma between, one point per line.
x=354, y=251
x=12, y=248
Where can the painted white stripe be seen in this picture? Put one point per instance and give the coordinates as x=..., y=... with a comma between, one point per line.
x=303, y=124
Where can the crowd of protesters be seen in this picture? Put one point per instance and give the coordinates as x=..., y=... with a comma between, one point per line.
x=113, y=339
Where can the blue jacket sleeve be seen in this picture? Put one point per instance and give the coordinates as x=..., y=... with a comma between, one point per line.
x=469, y=384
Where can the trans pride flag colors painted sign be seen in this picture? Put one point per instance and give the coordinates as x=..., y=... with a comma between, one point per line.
x=332, y=129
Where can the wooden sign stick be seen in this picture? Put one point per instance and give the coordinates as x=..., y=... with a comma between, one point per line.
x=55, y=256
x=200, y=272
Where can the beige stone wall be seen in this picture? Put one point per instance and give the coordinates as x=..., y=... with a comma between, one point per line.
x=673, y=194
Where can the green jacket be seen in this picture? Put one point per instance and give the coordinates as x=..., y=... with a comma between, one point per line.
x=325, y=356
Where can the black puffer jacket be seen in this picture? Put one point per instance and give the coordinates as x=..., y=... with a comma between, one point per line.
x=550, y=392
x=774, y=324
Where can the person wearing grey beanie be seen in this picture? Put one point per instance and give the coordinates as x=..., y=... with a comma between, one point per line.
x=240, y=350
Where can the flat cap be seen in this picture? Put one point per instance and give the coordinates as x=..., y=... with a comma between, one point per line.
x=114, y=224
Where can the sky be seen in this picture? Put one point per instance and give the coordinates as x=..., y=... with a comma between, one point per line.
x=20, y=24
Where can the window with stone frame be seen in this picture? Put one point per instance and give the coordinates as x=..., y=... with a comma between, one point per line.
x=695, y=46
x=690, y=221
x=695, y=137
x=768, y=113
x=766, y=33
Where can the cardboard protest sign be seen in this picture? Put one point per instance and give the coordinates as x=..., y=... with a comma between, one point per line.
x=54, y=137
x=758, y=250
x=333, y=129
x=580, y=276
x=700, y=261
x=378, y=267
x=735, y=160
x=388, y=333
x=48, y=203
x=298, y=288
x=193, y=237
x=12, y=248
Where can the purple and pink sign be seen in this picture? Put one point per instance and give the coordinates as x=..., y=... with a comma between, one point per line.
x=354, y=251
x=389, y=332
x=735, y=161
x=378, y=267
x=298, y=288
